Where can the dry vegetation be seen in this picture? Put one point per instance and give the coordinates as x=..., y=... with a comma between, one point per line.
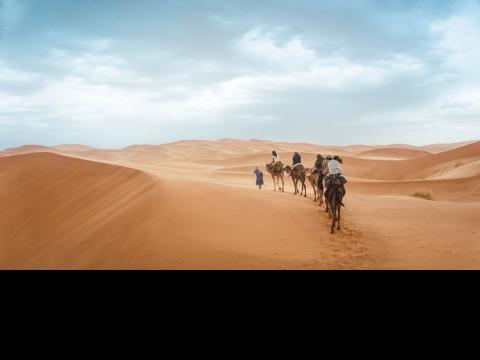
x=423, y=194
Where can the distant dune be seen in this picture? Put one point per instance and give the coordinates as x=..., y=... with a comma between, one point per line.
x=74, y=148
x=437, y=148
x=194, y=205
x=393, y=154
x=423, y=168
x=26, y=149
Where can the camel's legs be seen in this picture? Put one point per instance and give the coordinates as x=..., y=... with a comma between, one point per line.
x=283, y=183
x=320, y=195
x=327, y=203
x=334, y=218
x=339, y=215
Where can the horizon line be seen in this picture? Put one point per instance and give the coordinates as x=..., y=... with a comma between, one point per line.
x=241, y=140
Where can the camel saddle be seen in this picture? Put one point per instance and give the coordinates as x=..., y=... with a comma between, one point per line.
x=278, y=166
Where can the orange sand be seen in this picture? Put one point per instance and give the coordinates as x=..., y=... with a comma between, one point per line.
x=193, y=205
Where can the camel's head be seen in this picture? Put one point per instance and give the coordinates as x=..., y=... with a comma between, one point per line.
x=288, y=170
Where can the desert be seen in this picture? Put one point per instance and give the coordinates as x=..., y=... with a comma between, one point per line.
x=160, y=207
x=239, y=135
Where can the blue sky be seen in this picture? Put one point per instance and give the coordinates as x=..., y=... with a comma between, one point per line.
x=112, y=73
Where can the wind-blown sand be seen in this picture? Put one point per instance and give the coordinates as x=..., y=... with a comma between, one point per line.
x=193, y=205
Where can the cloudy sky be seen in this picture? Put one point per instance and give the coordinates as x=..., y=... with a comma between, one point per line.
x=112, y=73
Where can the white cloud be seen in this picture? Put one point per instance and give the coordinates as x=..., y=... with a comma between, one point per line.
x=458, y=43
x=297, y=65
x=265, y=46
x=464, y=104
x=246, y=72
x=94, y=66
x=98, y=87
x=402, y=64
x=11, y=75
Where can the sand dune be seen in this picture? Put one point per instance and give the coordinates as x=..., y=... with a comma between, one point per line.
x=416, y=234
x=393, y=154
x=26, y=149
x=438, y=148
x=193, y=204
x=67, y=213
x=60, y=212
x=461, y=170
x=433, y=149
x=423, y=168
x=73, y=148
x=458, y=190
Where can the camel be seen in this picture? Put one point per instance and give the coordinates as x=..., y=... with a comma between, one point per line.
x=334, y=199
x=298, y=174
x=315, y=177
x=277, y=172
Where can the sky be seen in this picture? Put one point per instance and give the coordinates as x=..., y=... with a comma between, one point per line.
x=112, y=73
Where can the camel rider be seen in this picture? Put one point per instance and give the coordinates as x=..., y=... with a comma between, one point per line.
x=318, y=168
x=335, y=171
x=297, y=159
x=335, y=166
x=275, y=157
x=318, y=163
x=325, y=165
x=276, y=163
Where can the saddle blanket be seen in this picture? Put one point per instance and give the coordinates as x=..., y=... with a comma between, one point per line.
x=278, y=166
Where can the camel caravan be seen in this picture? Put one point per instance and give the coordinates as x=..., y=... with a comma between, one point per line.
x=326, y=179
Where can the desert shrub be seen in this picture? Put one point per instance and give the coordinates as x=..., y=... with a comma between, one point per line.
x=423, y=194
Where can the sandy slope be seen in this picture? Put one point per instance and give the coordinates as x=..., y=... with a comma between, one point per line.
x=416, y=234
x=426, y=167
x=61, y=212
x=393, y=154
x=192, y=204
x=67, y=213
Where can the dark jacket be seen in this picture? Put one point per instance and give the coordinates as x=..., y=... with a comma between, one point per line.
x=319, y=163
x=297, y=159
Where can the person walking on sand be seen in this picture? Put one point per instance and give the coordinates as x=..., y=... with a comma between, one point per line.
x=259, y=175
